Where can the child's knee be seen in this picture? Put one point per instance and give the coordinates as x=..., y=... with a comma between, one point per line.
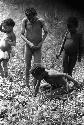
x=28, y=66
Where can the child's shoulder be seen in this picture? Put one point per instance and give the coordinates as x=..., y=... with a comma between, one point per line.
x=41, y=20
x=25, y=20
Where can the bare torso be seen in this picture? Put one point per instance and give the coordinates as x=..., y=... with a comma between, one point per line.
x=33, y=31
x=72, y=43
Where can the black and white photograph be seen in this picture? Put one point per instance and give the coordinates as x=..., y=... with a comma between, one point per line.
x=41, y=62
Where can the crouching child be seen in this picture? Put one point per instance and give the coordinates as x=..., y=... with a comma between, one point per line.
x=54, y=78
x=6, y=45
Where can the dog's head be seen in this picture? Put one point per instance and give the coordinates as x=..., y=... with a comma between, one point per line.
x=38, y=72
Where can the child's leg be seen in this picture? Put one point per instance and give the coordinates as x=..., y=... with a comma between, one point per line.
x=37, y=60
x=28, y=57
x=72, y=62
x=35, y=82
x=65, y=62
x=1, y=69
x=37, y=87
x=5, y=66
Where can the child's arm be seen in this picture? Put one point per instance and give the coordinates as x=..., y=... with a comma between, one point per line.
x=12, y=41
x=23, y=27
x=27, y=41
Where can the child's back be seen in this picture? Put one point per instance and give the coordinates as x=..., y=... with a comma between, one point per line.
x=72, y=43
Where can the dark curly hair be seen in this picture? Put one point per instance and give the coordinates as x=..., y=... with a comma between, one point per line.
x=30, y=11
x=9, y=22
x=72, y=21
x=37, y=71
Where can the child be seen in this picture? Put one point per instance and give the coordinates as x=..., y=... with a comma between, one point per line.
x=71, y=46
x=54, y=78
x=31, y=33
x=6, y=43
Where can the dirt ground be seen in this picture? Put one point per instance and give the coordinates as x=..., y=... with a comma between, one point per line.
x=17, y=104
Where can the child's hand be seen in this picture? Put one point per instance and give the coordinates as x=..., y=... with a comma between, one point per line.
x=31, y=45
x=35, y=47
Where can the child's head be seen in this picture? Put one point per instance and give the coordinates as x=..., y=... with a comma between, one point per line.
x=38, y=72
x=72, y=23
x=30, y=13
x=8, y=24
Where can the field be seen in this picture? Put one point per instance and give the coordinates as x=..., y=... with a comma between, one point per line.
x=17, y=104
